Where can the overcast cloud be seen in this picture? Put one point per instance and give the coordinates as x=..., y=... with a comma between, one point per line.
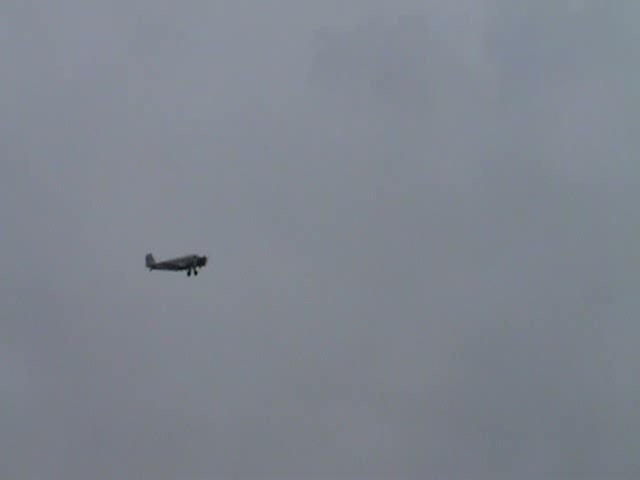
x=421, y=222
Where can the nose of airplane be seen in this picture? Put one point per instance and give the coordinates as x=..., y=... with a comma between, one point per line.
x=204, y=260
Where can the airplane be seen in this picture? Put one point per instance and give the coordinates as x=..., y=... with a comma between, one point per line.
x=190, y=263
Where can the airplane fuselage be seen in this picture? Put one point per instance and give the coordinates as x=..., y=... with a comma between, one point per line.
x=190, y=263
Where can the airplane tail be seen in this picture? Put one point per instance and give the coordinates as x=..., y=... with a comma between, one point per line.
x=149, y=261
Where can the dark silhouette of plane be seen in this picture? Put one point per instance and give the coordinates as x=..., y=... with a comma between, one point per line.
x=190, y=263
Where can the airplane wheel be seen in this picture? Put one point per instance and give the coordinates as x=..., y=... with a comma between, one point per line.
x=188, y=273
x=195, y=272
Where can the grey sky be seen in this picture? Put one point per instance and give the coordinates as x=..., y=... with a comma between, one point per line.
x=421, y=222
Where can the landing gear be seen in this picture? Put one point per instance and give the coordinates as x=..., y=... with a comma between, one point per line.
x=195, y=271
x=189, y=273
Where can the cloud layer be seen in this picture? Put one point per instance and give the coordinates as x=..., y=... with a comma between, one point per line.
x=420, y=226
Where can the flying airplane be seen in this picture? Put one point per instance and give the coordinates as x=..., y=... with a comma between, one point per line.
x=190, y=263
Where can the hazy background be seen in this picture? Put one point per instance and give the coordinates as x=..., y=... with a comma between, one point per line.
x=421, y=219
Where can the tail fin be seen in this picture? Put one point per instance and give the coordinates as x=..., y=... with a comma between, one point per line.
x=149, y=261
